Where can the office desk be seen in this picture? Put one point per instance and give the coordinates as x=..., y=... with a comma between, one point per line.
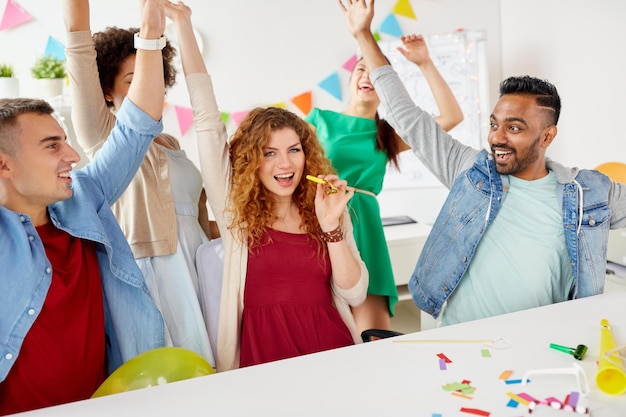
x=384, y=378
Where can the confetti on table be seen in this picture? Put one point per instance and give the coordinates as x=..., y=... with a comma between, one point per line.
x=442, y=364
x=485, y=353
x=517, y=398
x=455, y=386
x=458, y=394
x=506, y=374
x=475, y=411
x=526, y=397
x=444, y=357
x=515, y=381
x=512, y=403
x=437, y=415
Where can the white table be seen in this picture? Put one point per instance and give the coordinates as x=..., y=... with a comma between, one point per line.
x=385, y=378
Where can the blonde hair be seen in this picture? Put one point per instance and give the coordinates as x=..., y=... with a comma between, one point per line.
x=250, y=202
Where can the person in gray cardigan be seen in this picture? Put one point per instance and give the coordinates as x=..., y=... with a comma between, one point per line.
x=517, y=229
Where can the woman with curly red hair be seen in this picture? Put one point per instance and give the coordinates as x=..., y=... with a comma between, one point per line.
x=291, y=267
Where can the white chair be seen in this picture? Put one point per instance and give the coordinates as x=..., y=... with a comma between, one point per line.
x=210, y=266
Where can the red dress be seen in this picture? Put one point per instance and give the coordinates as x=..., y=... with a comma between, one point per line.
x=288, y=309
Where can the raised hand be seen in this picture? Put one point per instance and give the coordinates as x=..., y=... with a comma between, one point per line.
x=329, y=207
x=415, y=49
x=358, y=15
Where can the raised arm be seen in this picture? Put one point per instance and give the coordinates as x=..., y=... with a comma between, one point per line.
x=359, y=15
x=190, y=53
x=416, y=51
x=91, y=117
x=76, y=15
x=147, y=91
x=193, y=63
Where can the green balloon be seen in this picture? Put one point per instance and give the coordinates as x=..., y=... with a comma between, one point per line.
x=155, y=367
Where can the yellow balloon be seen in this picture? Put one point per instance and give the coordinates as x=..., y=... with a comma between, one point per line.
x=155, y=367
x=616, y=171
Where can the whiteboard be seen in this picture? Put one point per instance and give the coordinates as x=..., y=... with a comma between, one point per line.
x=461, y=59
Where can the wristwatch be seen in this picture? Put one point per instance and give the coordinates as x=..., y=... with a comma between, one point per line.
x=149, y=44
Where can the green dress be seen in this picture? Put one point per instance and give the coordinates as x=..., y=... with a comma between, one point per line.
x=350, y=144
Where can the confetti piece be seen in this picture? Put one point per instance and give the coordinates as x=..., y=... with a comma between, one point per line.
x=512, y=403
x=485, y=353
x=506, y=374
x=526, y=397
x=475, y=411
x=454, y=386
x=458, y=394
x=442, y=364
x=444, y=357
x=517, y=398
x=514, y=381
x=437, y=415
x=551, y=400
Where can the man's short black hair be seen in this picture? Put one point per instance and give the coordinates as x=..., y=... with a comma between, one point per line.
x=544, y=91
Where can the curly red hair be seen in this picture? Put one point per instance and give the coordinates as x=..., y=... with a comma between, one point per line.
x=250, y=202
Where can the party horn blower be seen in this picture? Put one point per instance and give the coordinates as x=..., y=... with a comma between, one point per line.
x=611, y=378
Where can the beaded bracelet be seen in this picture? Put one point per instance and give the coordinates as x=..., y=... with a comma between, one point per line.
x=335, y=235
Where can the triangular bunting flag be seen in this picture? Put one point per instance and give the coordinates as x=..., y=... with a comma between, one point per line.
x=303, y=102
x=403, y=8
x=225, y=117
x=281, y=105
x=13, y=16
x=332, y=85
x=55, y=48
x=185, y=118
x=391, y=26
x=349, y=64
x=239, y=116
x=377, y=36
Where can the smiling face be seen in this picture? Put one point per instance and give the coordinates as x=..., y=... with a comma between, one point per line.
x=520, y=133
x=361, y=87
x=283, y=163
x=38, y=174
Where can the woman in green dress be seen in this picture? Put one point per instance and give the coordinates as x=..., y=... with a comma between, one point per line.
x=359, y=145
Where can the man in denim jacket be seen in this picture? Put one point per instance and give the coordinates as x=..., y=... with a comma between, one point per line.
x=517, y=230
x=73, y=303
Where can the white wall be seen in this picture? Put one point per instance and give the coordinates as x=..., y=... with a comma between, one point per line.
x=579, y=46
x=265, y=52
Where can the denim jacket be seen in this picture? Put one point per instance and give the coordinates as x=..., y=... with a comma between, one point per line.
x=591, y=203
x=133, y=323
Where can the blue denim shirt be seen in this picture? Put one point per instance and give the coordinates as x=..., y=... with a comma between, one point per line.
x=472, y=205
x=133, y=323
x=591, y=203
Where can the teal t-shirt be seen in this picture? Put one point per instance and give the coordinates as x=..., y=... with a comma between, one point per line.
x=521, y=262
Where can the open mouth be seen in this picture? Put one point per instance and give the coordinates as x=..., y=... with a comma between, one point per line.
x=501, y=154
x=284, y=179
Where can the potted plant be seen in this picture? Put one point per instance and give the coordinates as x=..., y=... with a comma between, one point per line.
x=50, y=73
x=8, y=82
